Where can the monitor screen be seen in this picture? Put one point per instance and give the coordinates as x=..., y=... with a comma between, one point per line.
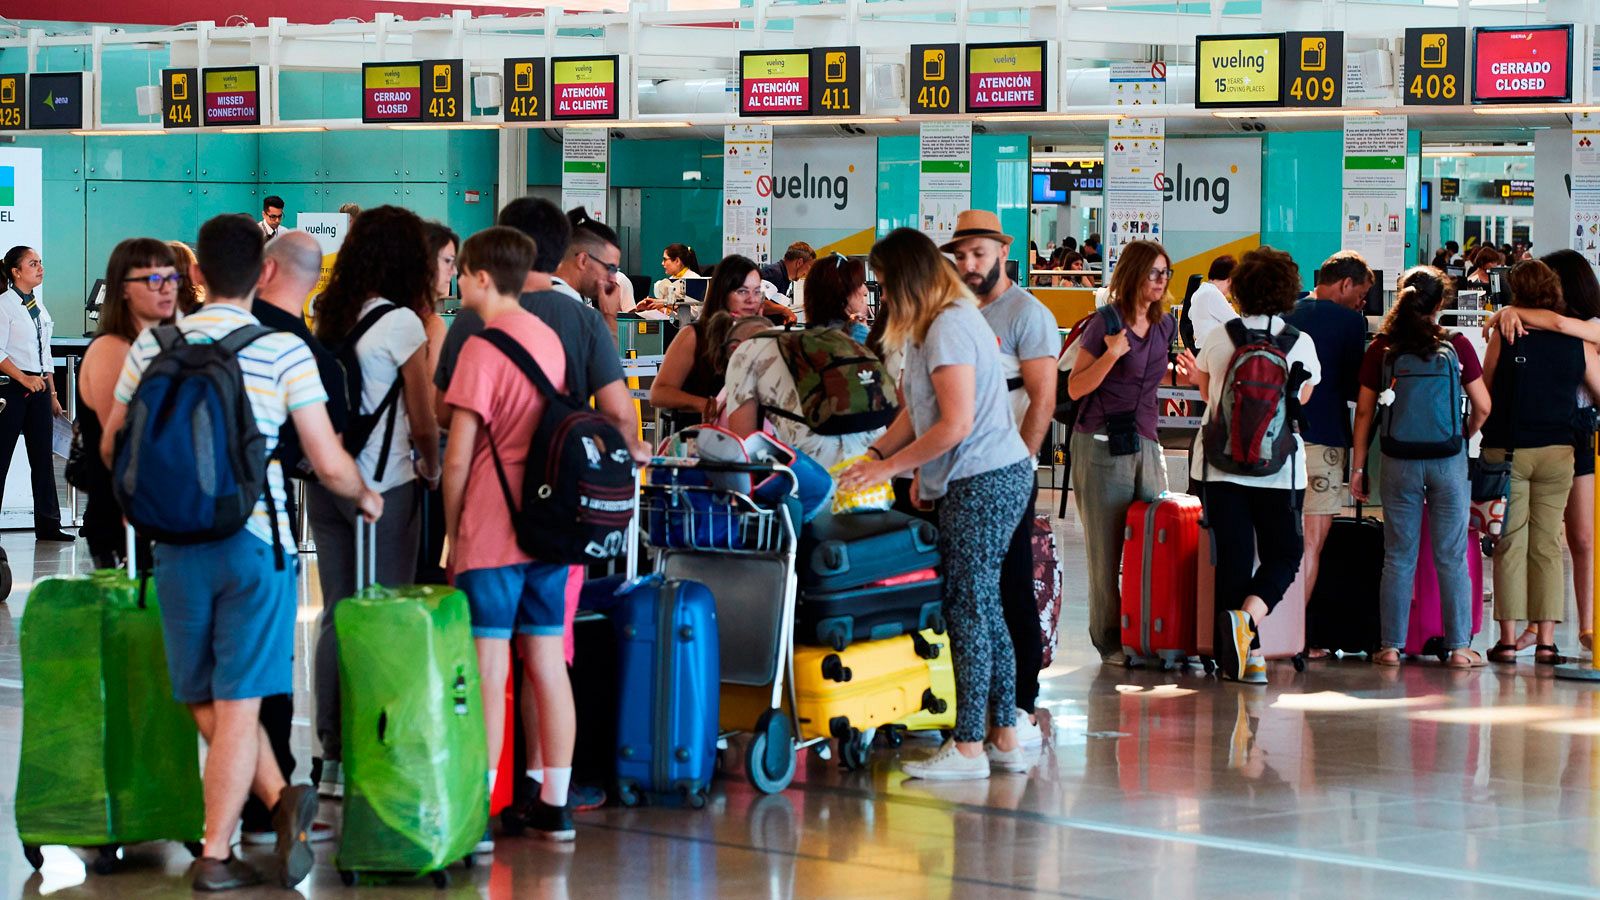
x=1425, y=197
x=1375, y=295
x=1044, y=191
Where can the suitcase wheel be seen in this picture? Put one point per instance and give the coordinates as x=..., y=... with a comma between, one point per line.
x=349, y=878
x=769, y=758
x=1299, y=662
x=694, y=798
x=441, y=878
x=34, y=855
x=105, y=859
x=855, y=752
x=628, y=794
x=1210, y=665
x=834, y=669
x=933, y=704
x=936, y=623
x=924, y=648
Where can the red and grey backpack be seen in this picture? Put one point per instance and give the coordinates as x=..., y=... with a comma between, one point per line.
x=1251, y=429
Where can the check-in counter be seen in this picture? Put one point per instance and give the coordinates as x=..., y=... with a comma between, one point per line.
x=1069, y=304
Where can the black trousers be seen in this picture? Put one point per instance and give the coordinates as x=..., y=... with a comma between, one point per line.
x=1020, y=608
x=1247, y=522
x=28, y=416
x=277, y=719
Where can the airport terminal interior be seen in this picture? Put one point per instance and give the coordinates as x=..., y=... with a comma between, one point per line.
x=1068, y=134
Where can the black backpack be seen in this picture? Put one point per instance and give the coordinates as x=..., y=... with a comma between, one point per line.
x=1185, y=324
x=579, y=481
x=358, y=430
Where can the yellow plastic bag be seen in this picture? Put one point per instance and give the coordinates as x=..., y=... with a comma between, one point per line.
x=873, y=498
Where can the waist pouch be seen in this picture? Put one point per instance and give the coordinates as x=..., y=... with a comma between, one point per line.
x=1122, y=432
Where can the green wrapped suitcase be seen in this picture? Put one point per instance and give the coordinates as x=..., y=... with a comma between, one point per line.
x=416, y=794
x=108, y=756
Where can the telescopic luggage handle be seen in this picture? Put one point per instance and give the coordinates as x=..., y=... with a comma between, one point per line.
x=366, y=553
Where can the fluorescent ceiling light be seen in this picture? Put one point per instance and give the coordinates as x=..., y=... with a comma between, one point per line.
x=834, y=120
x=1533, y=110
x=1328, y=112
x=448, y=126
x=1146, y=113
x=1096, y=157
x=654, y=123
x=117, y=132
x=273, y=129
x=1445, y=151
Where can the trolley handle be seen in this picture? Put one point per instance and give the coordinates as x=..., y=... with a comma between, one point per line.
x=366, y=553
x=719, y=467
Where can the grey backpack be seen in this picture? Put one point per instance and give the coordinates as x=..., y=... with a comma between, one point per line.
x=1423, y=421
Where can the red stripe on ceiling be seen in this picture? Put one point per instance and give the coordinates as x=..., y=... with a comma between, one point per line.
x=306, y=12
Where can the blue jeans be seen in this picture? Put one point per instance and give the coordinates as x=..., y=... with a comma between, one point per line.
x=1443, y=483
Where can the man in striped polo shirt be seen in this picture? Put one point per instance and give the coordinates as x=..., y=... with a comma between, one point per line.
x=227, y=608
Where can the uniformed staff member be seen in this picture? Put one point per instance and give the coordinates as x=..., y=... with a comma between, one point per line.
x=30, y=395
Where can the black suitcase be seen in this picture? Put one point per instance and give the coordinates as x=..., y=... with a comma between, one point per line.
x=842, y=552
x=838, y=619
x=1342, y=612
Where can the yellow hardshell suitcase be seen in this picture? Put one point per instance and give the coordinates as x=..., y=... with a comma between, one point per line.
x=842, y=693
x=941, y=714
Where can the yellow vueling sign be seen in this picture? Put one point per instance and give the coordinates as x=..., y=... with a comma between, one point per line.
x=1239, y=71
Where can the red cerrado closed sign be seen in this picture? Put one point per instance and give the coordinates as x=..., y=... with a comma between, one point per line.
x=1522, y=64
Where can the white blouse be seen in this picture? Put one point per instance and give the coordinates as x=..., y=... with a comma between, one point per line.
x=27, y=345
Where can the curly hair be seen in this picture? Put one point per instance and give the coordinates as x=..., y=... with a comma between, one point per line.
x=384, y=255
x=1266, y=282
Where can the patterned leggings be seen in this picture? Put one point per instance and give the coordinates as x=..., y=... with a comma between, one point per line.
x=976, y=520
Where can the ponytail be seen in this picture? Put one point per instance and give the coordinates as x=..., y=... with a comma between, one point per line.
x=1411, y=324
x=11, y=261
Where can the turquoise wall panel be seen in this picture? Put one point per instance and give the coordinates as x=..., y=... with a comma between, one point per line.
x=365, y=194
x=544, y=157
x=1001, y=169
x=220, y=199
x=424, y=155
x=291, y=157
x=898, y=182
x=227, y=157
x=165, y=210
x=62, y=158
x=67, y=274
x=466, y=218
x=1301, y=200
x=690, y=216
x=122, y=71
x=663, y=164
x=362, y=156
x=168, y=157
x=299, y=197
x=430, y=200
x=474, y=156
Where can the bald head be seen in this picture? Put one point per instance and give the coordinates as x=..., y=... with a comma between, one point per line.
x=290, y=269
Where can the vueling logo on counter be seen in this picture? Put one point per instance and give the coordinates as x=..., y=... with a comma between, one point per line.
x=806, y=186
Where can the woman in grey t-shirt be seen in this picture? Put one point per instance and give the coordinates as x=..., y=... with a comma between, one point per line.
x=957, y=432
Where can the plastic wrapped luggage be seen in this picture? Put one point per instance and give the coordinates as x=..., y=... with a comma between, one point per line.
x=1342, y=612
x=1047, y=587
x=108, y=757
x=842, y=552
x=1159, y=550
x=416, y=799
x=1282, y=634
x=1425, y=629
x=901, y=604
x=669, y=675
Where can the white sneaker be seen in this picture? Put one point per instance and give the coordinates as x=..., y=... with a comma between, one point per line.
x=1018, y=760
x=949, y=764
x=1029, y=734
x=331, y=784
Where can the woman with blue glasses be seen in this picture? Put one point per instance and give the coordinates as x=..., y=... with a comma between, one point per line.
x=142, y=286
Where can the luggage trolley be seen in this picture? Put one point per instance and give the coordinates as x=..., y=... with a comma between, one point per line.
x=702, y=522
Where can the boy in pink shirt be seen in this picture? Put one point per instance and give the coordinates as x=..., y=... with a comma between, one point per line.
x=510, y=593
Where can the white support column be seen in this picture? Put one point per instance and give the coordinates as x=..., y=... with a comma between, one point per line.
x=97, y=36
x=511, y=172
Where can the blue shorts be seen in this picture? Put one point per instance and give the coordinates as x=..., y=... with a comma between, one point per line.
x=228, y=616
x=533, y=598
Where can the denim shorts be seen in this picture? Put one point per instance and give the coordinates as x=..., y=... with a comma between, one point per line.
x=227, y=613
x=531, y=598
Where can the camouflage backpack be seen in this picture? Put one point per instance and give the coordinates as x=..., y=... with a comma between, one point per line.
x=843, y=387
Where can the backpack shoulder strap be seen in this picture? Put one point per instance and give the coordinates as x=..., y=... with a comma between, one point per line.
x=242, y=337
x=1237, y=332
x=1286, y=338
x=519, y=355
x=168, y=337
x=366, y=323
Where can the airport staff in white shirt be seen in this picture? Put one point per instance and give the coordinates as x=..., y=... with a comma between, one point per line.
x=30, y=397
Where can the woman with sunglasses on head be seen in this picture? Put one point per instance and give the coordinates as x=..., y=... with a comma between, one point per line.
x=688, y=381
x=761, y=386
x=142, y=283
x=1116, y=455
x=31, y=402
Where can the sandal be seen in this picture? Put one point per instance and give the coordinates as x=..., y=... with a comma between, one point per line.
x=1388, y=656
x=1466, y=658
x=1548, y=655
x=1586, y=640
x=1317, y=654
x=1503, y=653
x=1528, y=638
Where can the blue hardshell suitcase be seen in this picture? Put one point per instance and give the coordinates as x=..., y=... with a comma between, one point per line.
x=670, y=679
x=841, y=552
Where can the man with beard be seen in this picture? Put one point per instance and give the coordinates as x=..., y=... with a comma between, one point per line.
x=1029, y=343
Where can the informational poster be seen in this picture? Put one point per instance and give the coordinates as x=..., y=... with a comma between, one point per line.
x=747, y=191
x=1135, y=156
x=1375, y=189
x=22, y=224
x=585, y=159
x=1584, y=227
x=945, y=184
x=1138, y=83
x=824, y=192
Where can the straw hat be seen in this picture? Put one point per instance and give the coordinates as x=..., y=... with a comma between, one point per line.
x=976, y=223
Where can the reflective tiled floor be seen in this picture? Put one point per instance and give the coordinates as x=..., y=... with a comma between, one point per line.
x=1346, y=781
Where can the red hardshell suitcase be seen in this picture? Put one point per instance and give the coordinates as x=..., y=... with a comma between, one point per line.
x=1425, y=630
x=1159, y=551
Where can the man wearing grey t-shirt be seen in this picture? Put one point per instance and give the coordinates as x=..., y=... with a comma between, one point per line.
x=1029, y=343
